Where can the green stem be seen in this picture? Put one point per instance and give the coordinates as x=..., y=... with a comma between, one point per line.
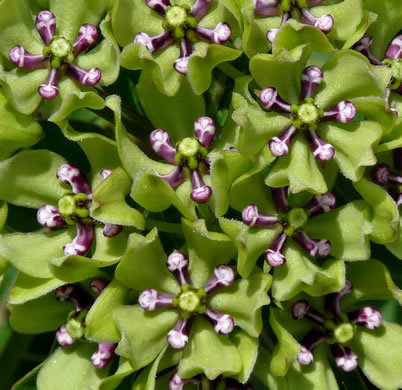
x=230, y=70
x=166, y=227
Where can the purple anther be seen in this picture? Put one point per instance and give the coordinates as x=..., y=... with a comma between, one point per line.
x=321, y=203
x=381, y=174
x=270, y=99
x=49, y=216
x=394, y=51
x=82, y=241
x=274, y=256
x=201, y=193
x=222, y=323
x=104, y=173
x=151, y=299
x=46, y=25
x=175, y=177
x=178, y=336
x=220, y=34
x=49, y=89
x=63, y=337
x=162, y=145
x=302, y=309
x=104, y=355
x=344, y=358
x=204, y=128
x=24, y=59
x=87, y=36
x=322, y=150
x=252, y=217
x=186, y=49
x=112, y=230
x=368, y=316
x=85, y=77
x=279, y=146
x=200, y=8
x=315, y=248
x=223, y=276
x=75, y=294
x=177, y=383
x=333, y=300
x=75, y=178
x=267, y=8
x=308, y=343
x=364, y=46
x=323, y=23
x=343, y=112
x=158, y=6
x=280, y=198
x=98, y=285
x=177, y=264
x=154, y=43
x=310, y=79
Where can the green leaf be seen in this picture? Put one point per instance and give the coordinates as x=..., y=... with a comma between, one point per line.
x=112, y=382
x=143, y=265
x=300, y=273
x=379, y=354
x=143, y=334
x=99, y=320
x=206, y=250
x=28, y=382
x=209, y=353
x=243, y=300
x=346, y=228
x=29, y=179
x=71, y=369
x=31, y=252
x=109, y=204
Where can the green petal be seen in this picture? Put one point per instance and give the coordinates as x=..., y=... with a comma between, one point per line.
x=172, y=114
x=384, y=213
x=27, y=288
x=71, y=369
x=353, y=143
x=244, y=300
x=209, y=353
x=346, y=228
x=39, y=315
x=29, y=179
x=396, y=247
x=301, y=273
x=299, y=169
x=287, y=349
x=30, y=252
x=281, y=71
x=392, y=140
x=16, y=130
x=251, y=243
x=143, y=334
x=206, y=250
x=109, y=204
x=380, y=355
x=109, y=248
x=99, y=320
x=348, y=74
x=381, y=285
x=248, y=349
x=144, y=265
x=293, y=34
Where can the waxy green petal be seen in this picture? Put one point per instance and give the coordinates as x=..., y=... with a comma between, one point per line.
x=143, y=334
x=243, y=300
x=206, y=250
x=144, y=265
x=71, y=369
x=29, y=179
x=205, y=351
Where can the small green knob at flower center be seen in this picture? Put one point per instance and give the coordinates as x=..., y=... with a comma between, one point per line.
x=189, y=151
x=308, y=113
x=73, y=206
x=189, y=301
x=176, y=16
x=60, y=47
x=344, y=332
x=297, y=217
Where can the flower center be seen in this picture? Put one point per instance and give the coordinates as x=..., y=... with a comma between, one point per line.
x=297, y=217
x=287, y=5
x=343, y=333
x=73, y=207
x=306, y=115
x=176, y=16
x=396, y=66
x=189, y=152
x=60, y=47
x=179, y=21
x=190, y=300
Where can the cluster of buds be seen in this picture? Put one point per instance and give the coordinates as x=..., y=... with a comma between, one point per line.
x=59, y=53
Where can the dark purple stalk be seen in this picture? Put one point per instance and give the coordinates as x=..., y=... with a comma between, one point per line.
x=82, y=241
x=177, y=264
x=274, y=256
x=223, y=276
x=252, y=217
x=151, y=300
